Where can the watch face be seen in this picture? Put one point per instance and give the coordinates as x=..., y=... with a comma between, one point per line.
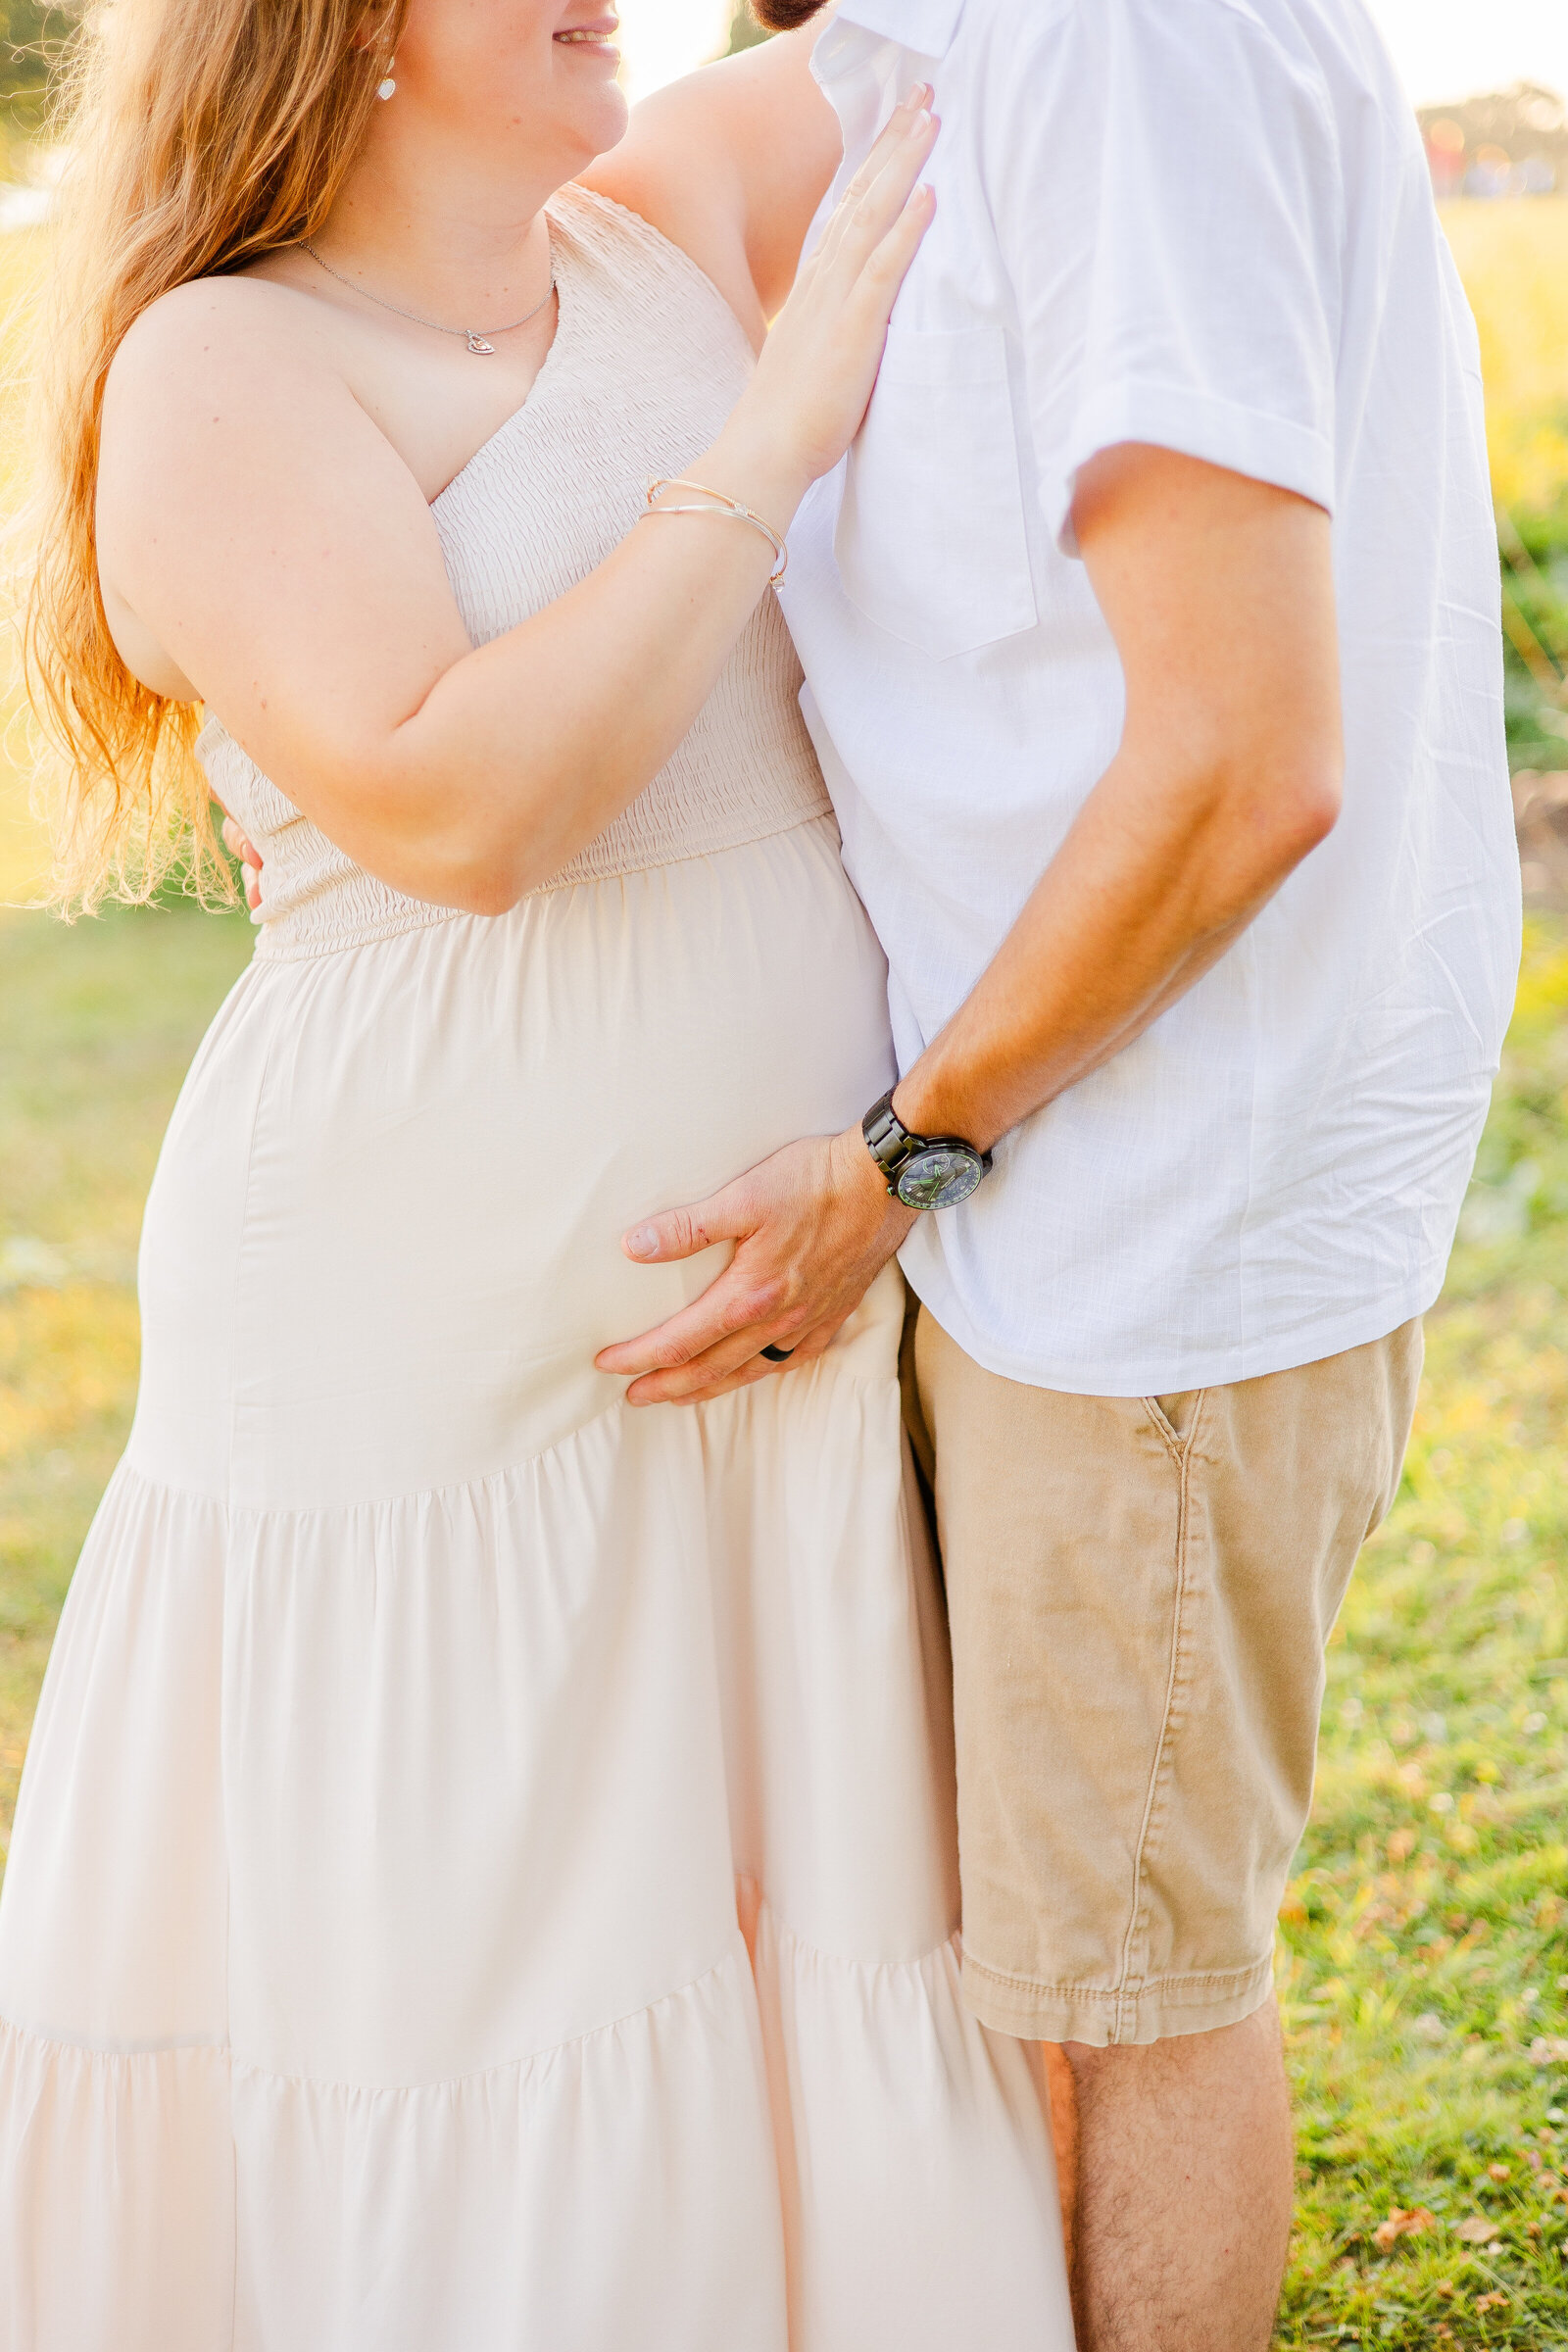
x=940, y=1176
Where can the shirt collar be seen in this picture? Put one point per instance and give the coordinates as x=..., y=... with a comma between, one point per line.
x=926, y=26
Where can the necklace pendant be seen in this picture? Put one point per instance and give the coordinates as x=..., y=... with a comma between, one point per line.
x=479, y=346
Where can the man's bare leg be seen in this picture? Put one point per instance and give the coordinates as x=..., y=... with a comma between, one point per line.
x=1185, y=2177
x=1062, y=2099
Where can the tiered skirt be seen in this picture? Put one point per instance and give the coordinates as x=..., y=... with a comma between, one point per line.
x=485, y=1872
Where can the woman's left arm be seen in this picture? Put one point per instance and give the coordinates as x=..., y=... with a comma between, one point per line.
x=731, y=165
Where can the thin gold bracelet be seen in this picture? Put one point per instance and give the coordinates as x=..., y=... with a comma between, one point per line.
x=722, y=504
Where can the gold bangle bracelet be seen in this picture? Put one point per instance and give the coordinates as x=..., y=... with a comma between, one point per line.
x=721, y=504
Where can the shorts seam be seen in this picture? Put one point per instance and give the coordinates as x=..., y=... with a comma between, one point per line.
x=1212, y=1979
x=1138, y=1922
x=1168, y=2008
x=1167, y=1436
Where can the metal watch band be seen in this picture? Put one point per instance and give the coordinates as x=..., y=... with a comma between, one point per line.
x=887, y=1139
x=892, y=1145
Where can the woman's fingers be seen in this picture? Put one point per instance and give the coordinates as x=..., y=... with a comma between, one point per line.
x=901, y=126
x=868, y=211
x=818, y=369
x=888, y=265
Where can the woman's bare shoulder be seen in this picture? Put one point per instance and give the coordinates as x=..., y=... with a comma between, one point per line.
x=211, y=327
x=223, y=402
x=213, y=372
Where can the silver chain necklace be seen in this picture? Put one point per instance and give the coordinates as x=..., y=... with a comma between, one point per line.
x=477, y=338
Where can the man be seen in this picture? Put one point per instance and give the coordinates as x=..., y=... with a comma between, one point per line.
x=1151, y=635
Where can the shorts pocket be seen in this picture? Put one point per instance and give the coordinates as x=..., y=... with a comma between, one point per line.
x=931, y=543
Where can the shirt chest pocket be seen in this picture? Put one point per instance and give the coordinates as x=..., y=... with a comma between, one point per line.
x=931, y=543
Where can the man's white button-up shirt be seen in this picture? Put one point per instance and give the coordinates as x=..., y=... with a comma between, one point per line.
x=1204, y=225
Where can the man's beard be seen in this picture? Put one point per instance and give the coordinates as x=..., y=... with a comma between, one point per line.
x=782, y=16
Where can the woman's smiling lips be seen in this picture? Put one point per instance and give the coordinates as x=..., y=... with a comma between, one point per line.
x=599, y=38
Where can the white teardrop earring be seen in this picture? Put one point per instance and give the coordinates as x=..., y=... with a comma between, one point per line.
x=388, y=89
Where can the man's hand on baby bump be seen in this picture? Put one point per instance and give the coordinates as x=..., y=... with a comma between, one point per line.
x=813, y=1228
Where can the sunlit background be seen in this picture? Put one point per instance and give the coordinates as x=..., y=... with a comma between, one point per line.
x=1451, y=48
x=662, y=39
x=1444, y=48
x=1423, y=1962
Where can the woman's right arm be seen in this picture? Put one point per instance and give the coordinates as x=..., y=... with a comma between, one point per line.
x=267, y=537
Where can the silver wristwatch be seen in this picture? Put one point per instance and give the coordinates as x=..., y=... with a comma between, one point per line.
x=923, y=1171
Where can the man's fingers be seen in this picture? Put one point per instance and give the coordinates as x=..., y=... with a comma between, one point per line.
x=678, y=1232
x=749, y=1376
x=734, y=1303
x=670, y=1377
x=736, y=1363
x=811, y=1227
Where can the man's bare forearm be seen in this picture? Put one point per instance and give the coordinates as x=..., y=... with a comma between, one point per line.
x=1127, y=917
x=1220, y=594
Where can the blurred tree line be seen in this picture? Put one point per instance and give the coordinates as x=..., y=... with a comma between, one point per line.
x=745, y=31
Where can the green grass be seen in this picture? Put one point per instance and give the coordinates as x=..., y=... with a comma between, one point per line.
x=98, y=1024
x=1424, y=1949
x=1424, y=1945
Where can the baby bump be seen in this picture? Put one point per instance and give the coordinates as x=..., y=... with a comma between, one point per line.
x=384, y=1242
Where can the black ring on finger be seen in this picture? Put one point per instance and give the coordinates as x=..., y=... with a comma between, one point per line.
x=778, y=1355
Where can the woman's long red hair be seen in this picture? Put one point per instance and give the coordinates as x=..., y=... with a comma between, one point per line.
x=204, y=133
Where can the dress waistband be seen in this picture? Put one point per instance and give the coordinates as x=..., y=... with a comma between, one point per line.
x=317, y=902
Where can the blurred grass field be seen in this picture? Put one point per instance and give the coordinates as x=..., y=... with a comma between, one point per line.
x=1514, y=261
x=1424, y=1945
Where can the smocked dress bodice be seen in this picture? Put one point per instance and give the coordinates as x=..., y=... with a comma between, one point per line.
x=647, y=363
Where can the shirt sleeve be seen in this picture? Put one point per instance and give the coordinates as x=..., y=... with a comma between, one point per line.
x=1166, y=186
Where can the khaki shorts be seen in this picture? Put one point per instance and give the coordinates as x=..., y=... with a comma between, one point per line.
x=1140, y=1590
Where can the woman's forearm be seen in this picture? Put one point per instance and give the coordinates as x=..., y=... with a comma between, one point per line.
x=525, y=749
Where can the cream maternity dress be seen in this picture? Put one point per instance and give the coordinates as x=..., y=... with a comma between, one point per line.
x=485, y=1878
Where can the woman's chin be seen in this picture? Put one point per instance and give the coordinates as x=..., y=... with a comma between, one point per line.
x=602, y=123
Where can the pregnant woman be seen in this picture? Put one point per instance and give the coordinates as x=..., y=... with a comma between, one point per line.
x=485, y=1878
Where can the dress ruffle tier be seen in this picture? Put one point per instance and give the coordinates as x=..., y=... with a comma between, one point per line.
x=417, y=2009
